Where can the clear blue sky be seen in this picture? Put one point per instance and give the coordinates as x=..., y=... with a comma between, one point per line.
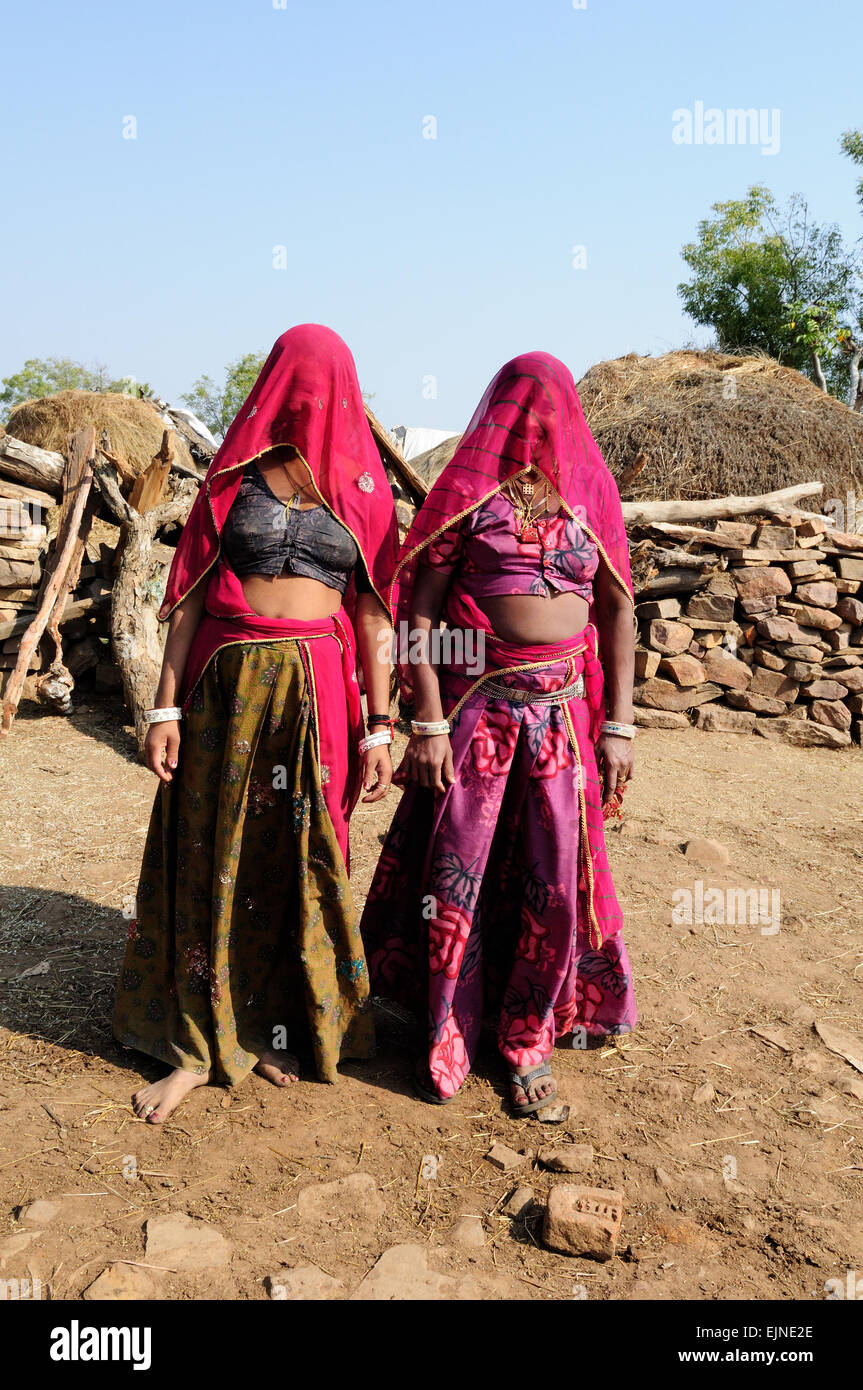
x=302, y=126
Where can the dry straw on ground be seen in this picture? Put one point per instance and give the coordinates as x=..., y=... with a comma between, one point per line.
x=135, y=426
x=710, y=424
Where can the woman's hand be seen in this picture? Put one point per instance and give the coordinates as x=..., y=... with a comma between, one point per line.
x=428, y=761
x=615, y=755
x=161, y=747
x=377, y=772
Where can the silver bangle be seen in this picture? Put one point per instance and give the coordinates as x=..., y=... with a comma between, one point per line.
x=162, y=716
x=375, y=740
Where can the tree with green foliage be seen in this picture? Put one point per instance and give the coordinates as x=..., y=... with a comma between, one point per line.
x=217, y=405
x=851, y=336
x=771, y=280
x=46, y=376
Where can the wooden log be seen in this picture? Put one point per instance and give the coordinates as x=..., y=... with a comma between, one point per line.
x=33, y=498
x=25, y=594
x=664, y=559
x=42, y=469
x=26, y=535
x=646, y=513
x=61, y=566
x=674, y=581
x=149, y=488
x=75, y=608
x=19, y=572
x=136, y=639
x=16, y=550
x=55, y=685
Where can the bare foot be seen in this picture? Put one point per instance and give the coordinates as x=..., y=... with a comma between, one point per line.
x=279, y=1068
x=539, y=1088
x=155, y=1103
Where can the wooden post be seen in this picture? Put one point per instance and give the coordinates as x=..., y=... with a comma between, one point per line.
x=135, y=633
x=61, y=570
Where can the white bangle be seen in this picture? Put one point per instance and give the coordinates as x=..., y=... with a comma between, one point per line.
x=162, y=716
x=429, y=728
x=619, y=730
x=375, y=740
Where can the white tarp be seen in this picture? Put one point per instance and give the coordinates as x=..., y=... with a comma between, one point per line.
x=414, y=441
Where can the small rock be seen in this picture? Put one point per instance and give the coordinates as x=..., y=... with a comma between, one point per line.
x=804, y=733
x=703, y=1094
x=834, y=713
x=353, y=1198
x=774, y=1036
x=659, y=718
x=468, y=1231
x=582, y=1221
x=684, y=670
x=402, y=1273
x=849, y=1086
x=669, y=637
x=567, y=1158
x=709, y=852
x=819, y=593
x=39, y=1213
x=755, y=704
x=723, y=668
x=122, y=1283
x=507, y=1160
x=178, y=1241
x=775, y=684
x=520, y=1203
x=306, y=1282
x=552, y=1114
x=665, y=695
x=759, y=583
x=823, y=690
x=14, y=1245
x=718, y=719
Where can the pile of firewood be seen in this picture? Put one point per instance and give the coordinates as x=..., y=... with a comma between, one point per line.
x=750, y=626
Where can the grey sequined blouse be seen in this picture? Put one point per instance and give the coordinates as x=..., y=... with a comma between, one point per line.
x=261, y=536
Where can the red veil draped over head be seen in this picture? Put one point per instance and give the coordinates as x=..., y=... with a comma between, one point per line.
x=530, y=415
x=307, y=395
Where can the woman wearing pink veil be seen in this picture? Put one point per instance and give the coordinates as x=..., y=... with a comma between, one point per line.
x=245, y=949
x=493, y=893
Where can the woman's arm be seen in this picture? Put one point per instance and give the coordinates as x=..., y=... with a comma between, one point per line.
x=427, y=761
x=374, y=632
x=616, y=629
x=163, y=740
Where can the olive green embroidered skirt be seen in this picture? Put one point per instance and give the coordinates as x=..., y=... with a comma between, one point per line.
x=245, y=936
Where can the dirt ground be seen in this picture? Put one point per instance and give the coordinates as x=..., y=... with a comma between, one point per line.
x=739, y=1156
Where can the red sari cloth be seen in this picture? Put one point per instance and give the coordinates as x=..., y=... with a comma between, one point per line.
x=307, y=395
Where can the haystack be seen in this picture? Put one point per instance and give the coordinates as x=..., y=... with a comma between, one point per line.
x=135, y=426
x=696, y=424
x=430, y=464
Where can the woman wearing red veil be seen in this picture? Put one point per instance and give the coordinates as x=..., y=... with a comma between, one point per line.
x=245, y=949
x=493, y=893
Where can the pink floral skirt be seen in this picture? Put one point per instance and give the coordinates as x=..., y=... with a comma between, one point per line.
x=479, y=903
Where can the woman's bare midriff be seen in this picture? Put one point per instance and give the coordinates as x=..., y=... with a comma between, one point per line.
x=533, y=619
x=291, y=596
